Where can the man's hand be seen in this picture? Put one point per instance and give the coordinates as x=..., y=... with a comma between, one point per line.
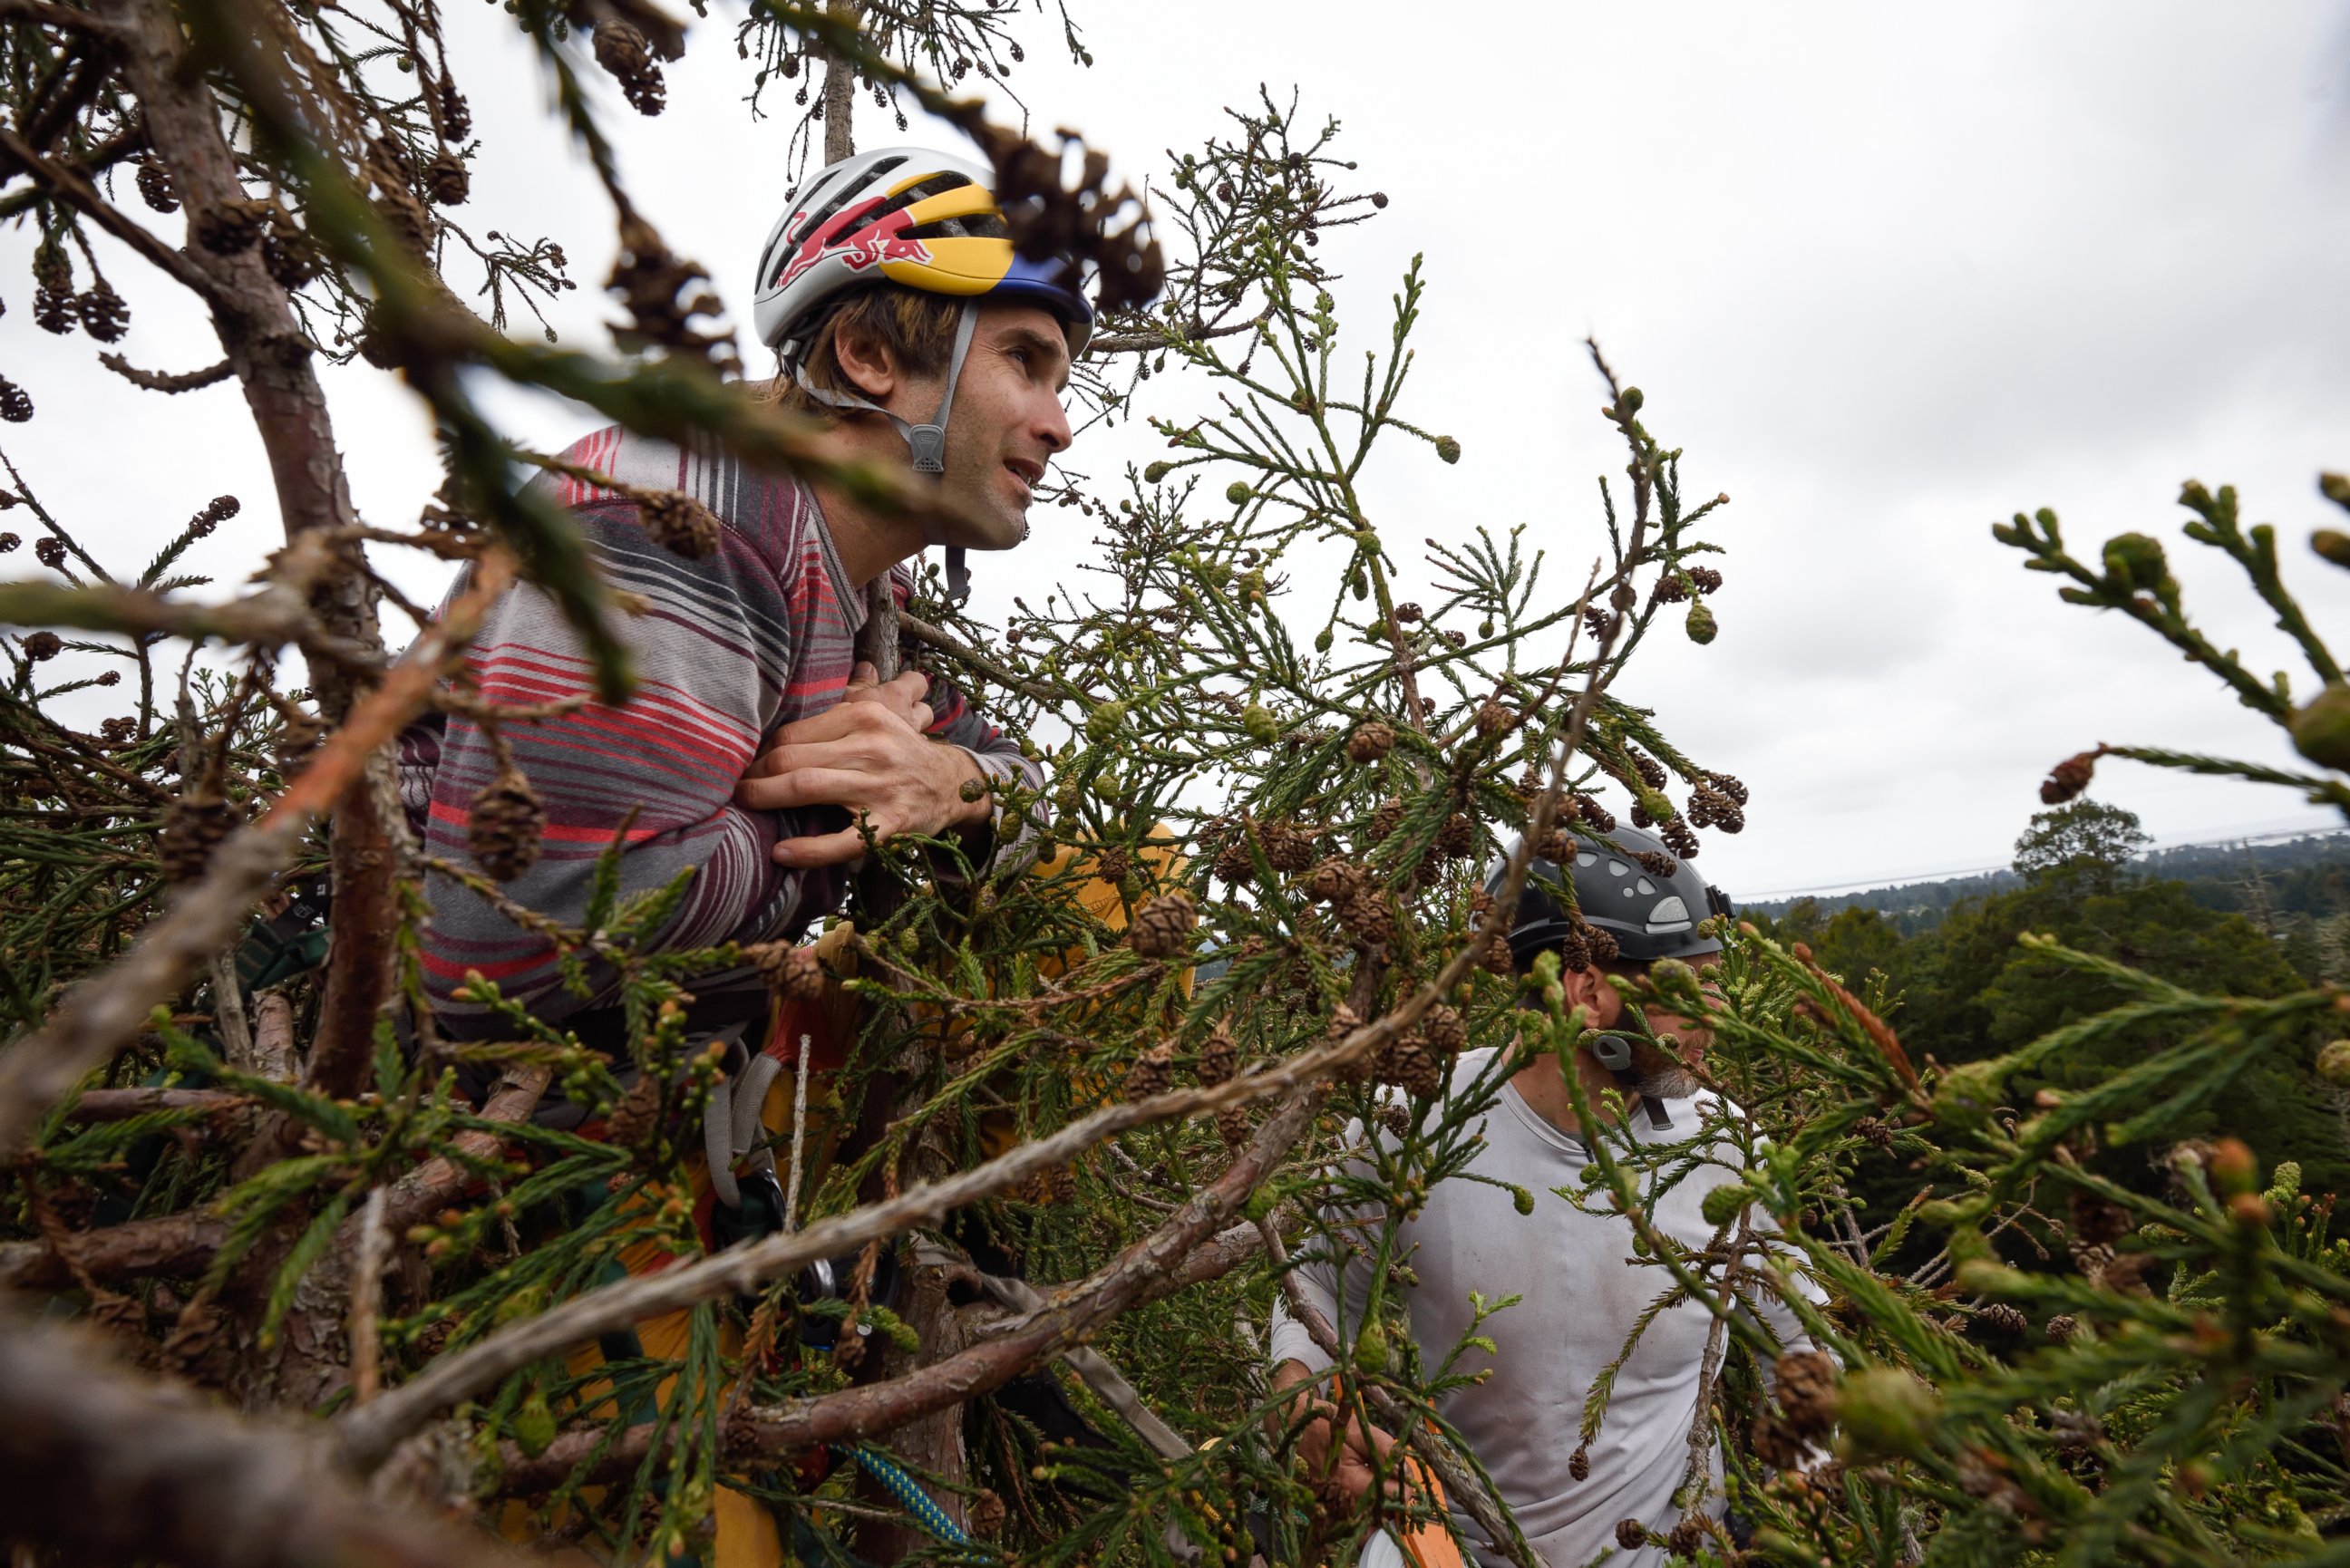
x=1336, y=1450
x=869, y=754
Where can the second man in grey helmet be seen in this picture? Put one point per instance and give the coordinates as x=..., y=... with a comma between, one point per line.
x=1580, y=1295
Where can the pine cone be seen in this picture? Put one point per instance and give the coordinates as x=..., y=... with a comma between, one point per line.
x=1588, y=809
x=1233, y=1126
x=2098, y=1221
x=1394, y=1119
x=791, y=972
x=1362, y=912
x=1640, y=817
x=1806, y=1382
x=1669, y=589
x=16, y=407
x=1372, y=740
x=1728, y=784
x=676, y=521
x=1877, y=1133
x=1775, y=1442
x=1457, y=836
x=1406, y=612
x=217, y=511
x=1233, y=865
x=637, y=1114
x=8, y=542
x=504, y=825
x=41, y=646
x=228, y=228
x=1660, y=867
x=1497, y=958
x=2003, y=1320
x=1329, y=880
x=103, y=314
x=1686, y=1538
x=287, y=253
x=2068, y=778
x=1162, y=928
x=1574, y=953
x=446, y=179
x=1153, y=1072
x=1383, y=821
x=1286, y=848
x=1578, y=1463
x=1345, y=1021
x=2063, y=1327
x=1704, y=578
x=1113, y=865
x=405, y=216
x=1447, y=1036
x=1220, y=1058
x=1602, y=943
x=155, y=186
x=622, y=50
x=49, y=550
x=1680, y=839
x=1557, y=847
x=1409, y=1066
x=986, y=1515
x=1631, y=1534
x=193, y=826
x=456, y=114
x=1651, y=771
x=1493, y=718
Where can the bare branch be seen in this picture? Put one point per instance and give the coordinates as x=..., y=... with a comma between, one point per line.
x=181, y=1480
x=103, y=1012
x=164, y=381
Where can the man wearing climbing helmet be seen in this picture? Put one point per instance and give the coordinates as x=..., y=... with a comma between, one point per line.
x=1519, y=1406
x=905, y=322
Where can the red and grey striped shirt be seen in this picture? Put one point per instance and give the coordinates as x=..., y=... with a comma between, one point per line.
x=758, y=633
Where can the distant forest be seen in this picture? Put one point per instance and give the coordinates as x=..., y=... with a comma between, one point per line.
x=2265, y=880
x=2242, y=919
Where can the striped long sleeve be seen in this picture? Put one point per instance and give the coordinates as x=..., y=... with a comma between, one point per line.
x=758, y=633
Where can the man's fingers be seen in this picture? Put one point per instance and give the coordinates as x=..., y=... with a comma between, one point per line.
x=822, y=849
x=804, y=786
x=862, y=674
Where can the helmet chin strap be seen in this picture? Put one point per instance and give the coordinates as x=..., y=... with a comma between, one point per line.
x=1614, y=1052
x=927, y=443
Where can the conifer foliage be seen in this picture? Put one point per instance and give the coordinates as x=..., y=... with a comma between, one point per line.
x=1094, y=1101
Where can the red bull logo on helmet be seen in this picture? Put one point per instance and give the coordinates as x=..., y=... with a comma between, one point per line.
x=866, y=244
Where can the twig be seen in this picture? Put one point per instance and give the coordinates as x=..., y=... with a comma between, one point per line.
x=109, y=1008
x=165, y=381
x=366, y=1300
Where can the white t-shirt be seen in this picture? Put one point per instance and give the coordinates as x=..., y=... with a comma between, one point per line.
x=1581, y=1292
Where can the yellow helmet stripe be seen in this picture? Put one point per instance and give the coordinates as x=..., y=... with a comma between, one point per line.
x=962, y=201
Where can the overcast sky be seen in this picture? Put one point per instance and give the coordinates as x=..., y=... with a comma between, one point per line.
x=1886, y=273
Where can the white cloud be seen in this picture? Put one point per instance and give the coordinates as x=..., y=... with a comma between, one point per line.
x=1888, y=274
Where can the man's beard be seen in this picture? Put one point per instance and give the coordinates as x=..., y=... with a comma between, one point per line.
x=1660, y=1077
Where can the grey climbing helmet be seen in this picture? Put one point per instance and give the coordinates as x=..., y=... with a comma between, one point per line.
x=1627, y=883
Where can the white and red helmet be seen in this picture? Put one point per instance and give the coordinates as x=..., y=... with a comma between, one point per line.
x=906, y=216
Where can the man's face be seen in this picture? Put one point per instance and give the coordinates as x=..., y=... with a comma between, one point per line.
x=1666, y=1070
x=1006, y=423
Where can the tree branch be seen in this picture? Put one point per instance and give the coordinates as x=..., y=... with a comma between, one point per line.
x=1144, y=1273
x=106, y=1468
x=111, y=1006
x=164, y=381
x=80, y=194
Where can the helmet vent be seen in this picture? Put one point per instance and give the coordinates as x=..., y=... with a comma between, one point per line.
x=841, y=198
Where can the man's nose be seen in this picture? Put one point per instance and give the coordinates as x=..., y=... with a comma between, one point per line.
x=1053, y=430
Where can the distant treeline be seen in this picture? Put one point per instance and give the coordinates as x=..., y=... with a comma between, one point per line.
x=2295, y=876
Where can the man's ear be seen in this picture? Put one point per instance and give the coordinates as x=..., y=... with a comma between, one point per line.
x=1589, y=988
x=865, y=361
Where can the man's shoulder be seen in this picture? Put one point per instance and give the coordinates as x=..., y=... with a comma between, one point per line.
x=600, y=469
